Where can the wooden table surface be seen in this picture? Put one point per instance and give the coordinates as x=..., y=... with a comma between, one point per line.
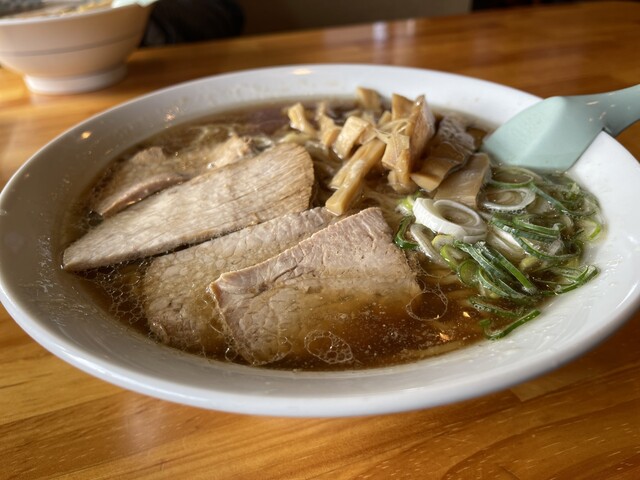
x=580, y=421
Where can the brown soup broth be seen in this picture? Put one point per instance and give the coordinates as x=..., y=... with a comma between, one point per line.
x=440, y=320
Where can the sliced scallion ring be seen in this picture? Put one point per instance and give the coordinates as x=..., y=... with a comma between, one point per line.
x=450, y=218
x=422, y=238
x=517, y=177
x=468, y=272
x=511, y=200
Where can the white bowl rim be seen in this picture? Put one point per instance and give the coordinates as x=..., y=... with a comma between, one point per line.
x=7, y=20
x=308, y=401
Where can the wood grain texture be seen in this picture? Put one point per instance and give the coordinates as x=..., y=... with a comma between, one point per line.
x=581, y=421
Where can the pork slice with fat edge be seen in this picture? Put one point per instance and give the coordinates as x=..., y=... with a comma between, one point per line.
x=278, y=307
x=248, y=192
x=179, y=311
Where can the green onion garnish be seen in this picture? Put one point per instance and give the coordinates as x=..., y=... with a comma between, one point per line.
x=495, y=335
x=400, y=238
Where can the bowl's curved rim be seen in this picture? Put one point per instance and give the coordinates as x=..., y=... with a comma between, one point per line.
x=352, y=403
x=42, y=19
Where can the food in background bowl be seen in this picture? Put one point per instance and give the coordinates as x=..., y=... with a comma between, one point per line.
x=72, y=53
x=266, y=236
x=54, y=306
x=42, y=9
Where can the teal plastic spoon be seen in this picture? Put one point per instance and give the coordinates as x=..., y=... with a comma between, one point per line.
x=553, y=133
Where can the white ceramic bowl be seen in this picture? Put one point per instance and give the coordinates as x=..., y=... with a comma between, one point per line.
x=72, y=53
x=47, y=304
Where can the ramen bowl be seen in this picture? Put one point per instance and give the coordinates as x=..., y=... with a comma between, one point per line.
x=74, y=52
x=54, y=309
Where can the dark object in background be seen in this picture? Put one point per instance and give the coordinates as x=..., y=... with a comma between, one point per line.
x=182, y=21
x=487, y=4
x=12, y=7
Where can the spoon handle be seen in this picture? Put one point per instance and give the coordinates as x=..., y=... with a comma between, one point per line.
x=617, y=110
x=124, y=3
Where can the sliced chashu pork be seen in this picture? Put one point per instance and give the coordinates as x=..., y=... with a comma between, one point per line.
x=222, y=200
x=315, y=290
x=208, y=156
x=151, y=170
x=147, y=172
x=179, y=310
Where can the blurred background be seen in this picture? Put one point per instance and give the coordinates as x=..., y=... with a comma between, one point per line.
x=254, y=17
x=180, y=21
x=224, y=18
x=280, y=15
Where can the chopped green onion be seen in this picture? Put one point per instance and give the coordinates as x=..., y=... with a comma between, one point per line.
x=421, y=235
x=522, y=246
x=500, y=289
x=526, y=230
x=467, y=272
x=484, y=263
x=482, y=305
x=493, y=335
x=559, y=205
x=400, y=237
x=589, y=228
x=441, y=240
x=570, y=279
x=406, y=205
x=452, y=256
x=535, y=250
x=496, y=256
x=523, y=221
